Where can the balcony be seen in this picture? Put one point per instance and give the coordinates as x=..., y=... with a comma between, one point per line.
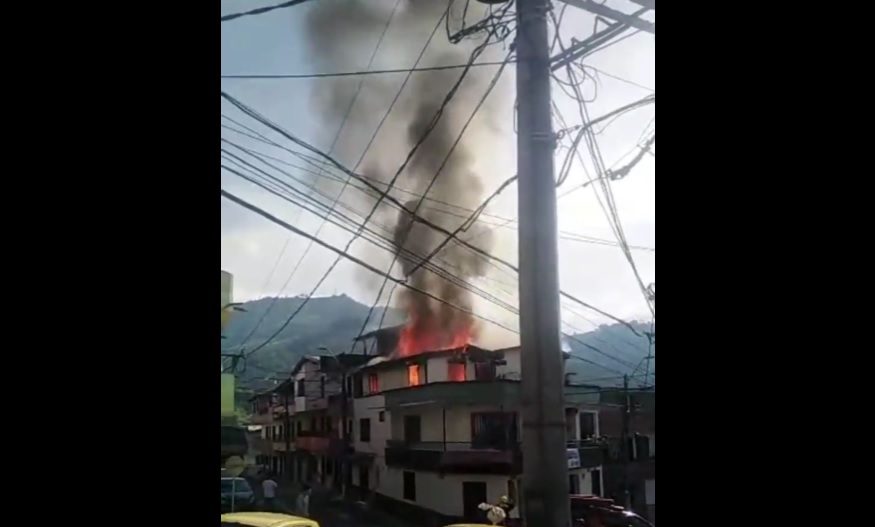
x=497, y=392
x=592, y=453
x=314, y=442
x=454, y=457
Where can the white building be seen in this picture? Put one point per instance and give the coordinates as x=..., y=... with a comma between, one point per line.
x=438, y=433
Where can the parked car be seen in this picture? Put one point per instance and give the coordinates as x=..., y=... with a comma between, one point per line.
x=595, y=511
x=244, y=497
x=265, y=519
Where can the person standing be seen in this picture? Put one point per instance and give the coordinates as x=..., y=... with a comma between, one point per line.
x=302, y=504
x=268, y=488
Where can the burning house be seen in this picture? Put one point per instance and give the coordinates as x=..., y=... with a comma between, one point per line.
x=427, y=421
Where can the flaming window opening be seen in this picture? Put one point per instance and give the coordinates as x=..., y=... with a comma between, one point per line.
x=456, y=370
x=415, y=375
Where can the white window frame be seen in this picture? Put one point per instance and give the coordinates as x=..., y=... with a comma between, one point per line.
x=595, y=420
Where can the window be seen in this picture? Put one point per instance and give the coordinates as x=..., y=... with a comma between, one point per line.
x=642, y=447
x=484, y=371
x=382, y=416
x=322, y=387
x=415, y=374
x=364, y=430
x=573, y=484
x=410, y=486
x=373, y=383
x=359, y=389
x=493, y=429
x=312, y=424
x=587, y=425
x=348, y=385
x=300, y=390
x=300, y=427
x=456, y=371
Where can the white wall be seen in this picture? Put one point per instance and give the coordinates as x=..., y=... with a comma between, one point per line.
x=370, y=408
x=389, y=379
x=512, y=368
x=442, y=493
x=437, y=369
x=586, y=485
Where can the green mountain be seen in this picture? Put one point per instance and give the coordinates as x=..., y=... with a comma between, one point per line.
x=332, y=322
x=603, y=355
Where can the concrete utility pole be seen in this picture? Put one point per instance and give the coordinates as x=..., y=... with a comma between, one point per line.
x=545, y=463
x=624, y=443
x=288, y=428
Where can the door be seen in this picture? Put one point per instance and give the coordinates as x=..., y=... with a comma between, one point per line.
x=597, y=482
x=364, y=477
x=473, y=494
x=573, y=484
x=412, y=429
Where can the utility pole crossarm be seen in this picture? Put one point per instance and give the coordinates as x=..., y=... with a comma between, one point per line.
x=619, y=16
x=591, y=43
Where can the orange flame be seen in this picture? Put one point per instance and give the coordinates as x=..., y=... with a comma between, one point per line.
x=417, y=337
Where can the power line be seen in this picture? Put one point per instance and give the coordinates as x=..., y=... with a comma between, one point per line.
x=346, y=115
x=260, y=10
x=369, y=267
x=387, y=245
x=350, y=174
x=403, y=207
x=503, y=223
x=466, y=224
x=366, y=72
x=598, y=162
x=449, y=154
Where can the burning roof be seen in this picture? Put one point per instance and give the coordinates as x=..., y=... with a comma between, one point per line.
x=474, y=353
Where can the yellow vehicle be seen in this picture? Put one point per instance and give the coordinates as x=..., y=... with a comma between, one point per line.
x=265, y=519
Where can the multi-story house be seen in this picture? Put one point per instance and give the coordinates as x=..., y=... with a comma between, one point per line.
x=308, y=414
x=262, y=408
x=433, y=435
x=438, y=433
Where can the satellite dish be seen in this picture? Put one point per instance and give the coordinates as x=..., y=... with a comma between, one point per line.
x=235, y=466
